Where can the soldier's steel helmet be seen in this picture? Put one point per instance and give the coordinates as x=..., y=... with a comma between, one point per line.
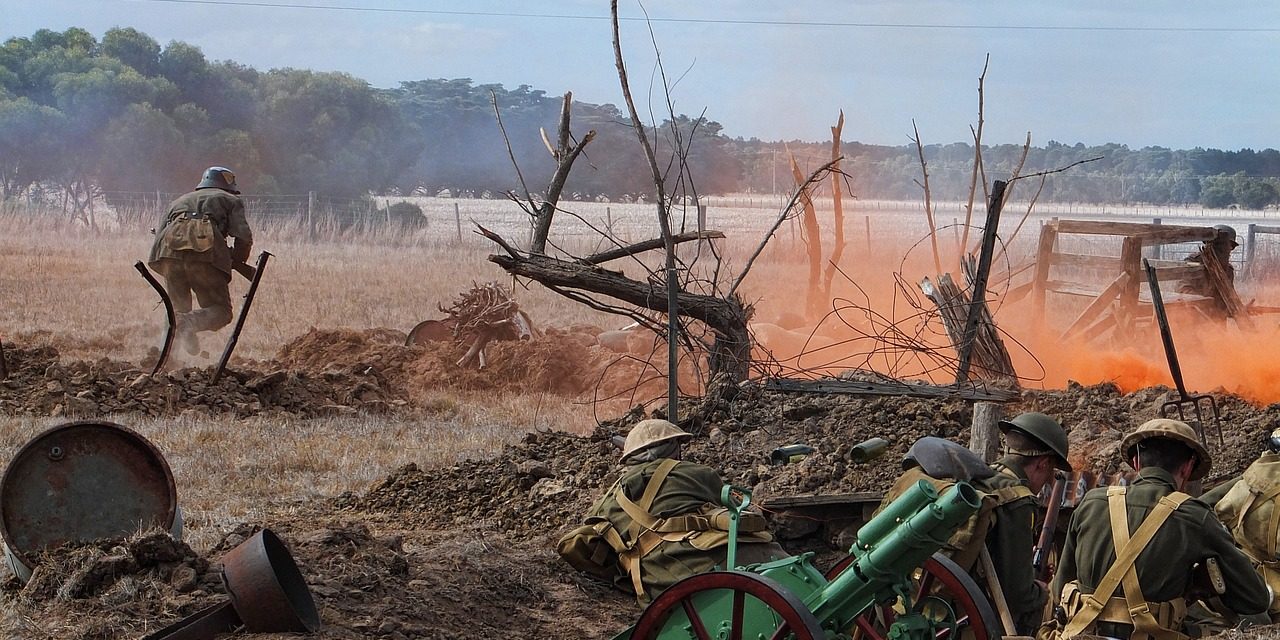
x=1227, y=232
x=1273, y=440
x=651, y=432
x=1170, y=430
x=219, y=178
x=1042, y=429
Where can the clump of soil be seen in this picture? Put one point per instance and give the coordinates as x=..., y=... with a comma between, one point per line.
x=110, y=587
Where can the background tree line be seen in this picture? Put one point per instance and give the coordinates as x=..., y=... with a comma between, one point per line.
x=82, y=118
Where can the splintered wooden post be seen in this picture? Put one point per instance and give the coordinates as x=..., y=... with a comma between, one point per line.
x=457, y=219
x=1044, y=263
x=702, y=218
x=979, y=299
x=867, y=221
x=984, y=435
x=1156, y=249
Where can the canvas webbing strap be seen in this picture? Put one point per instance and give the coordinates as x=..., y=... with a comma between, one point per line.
x=1273, y=525
x=1127, y=551
x=639, y=512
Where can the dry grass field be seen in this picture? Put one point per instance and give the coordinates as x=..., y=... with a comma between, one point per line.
x=76, y=289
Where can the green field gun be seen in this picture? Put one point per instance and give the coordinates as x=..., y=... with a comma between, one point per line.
x=892, y=586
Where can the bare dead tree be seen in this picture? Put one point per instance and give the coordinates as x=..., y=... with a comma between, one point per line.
x=928, y=201
x=837, y=203
x=977, y=165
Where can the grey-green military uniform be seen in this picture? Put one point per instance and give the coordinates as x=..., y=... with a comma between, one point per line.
x=1011, y=541
x=201, y=266
x=1164, y=567
x=678, y=554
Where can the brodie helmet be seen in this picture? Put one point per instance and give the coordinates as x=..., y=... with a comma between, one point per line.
x=218, y=178
x=1043, y=429
x=1168, y=429
x=649, y=433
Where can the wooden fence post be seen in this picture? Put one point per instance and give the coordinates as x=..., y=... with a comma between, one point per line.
x=984, y=434
x=1251, y=237
x=311, y=223
x=457, y=219
x=1157, y=250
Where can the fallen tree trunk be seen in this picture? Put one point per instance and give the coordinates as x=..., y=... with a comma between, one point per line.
x=727, y=317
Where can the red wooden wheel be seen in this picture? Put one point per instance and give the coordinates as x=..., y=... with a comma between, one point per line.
x=941, y=587
x=747, y=605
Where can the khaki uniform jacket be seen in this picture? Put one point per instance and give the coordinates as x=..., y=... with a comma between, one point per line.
x=1191, y=534
x=1011, y=543
x=225, y=210
x=688, y=486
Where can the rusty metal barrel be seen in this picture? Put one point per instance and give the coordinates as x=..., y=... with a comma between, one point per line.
x=79, y=482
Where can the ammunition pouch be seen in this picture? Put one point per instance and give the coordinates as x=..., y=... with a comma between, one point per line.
x=189, y=232
x=1115, y=614
x=592, y=548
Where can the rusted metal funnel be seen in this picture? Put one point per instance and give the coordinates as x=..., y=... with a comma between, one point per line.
x=79, y=482
x=268, y=595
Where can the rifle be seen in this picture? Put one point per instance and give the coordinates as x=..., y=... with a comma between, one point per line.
x=1048, y=529
x=245, y=270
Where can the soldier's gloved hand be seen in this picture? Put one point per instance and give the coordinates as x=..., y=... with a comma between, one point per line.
x=240, y=250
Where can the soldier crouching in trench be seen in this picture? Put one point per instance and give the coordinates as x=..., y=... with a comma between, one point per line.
x=191, y=253
x=661, y=521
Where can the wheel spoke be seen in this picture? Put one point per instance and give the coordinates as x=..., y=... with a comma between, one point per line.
x=926, y=584
x=735, y=628
x=691, y=612
x=866, y=627
x=782, y=632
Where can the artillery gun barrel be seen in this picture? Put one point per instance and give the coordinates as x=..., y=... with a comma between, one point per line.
x=890, y=559
x=905, y=506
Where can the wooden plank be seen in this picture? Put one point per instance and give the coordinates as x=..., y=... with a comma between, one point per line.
x=1100, y=327
x=858, y=388
x=1168, y=235
x=1131, y=263
x=1073, y=289
x=1017, y=293
x=1044, y=263
x=827, y=500
x=1098, y=305
x=1101, y=228
x=1262, y=228
x=1180, y=272
x=1085, y=261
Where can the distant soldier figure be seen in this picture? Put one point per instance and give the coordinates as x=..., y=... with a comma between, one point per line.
x=1035, y=448
x=662, y=521
x=1222, y=245
x=1132, y=553
x=191, y=252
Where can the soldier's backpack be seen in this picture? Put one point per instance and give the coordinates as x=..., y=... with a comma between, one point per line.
x=189, y=231
x=1250, y=512
x=942, y=463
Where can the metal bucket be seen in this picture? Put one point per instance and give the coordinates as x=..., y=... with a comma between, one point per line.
x=267, y=595
x=79, y=482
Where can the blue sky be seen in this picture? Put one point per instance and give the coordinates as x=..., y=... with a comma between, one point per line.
x=1175, y=74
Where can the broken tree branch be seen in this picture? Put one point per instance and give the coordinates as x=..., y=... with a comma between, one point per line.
x=782, y=217
x=647, y=245
x=565, y=154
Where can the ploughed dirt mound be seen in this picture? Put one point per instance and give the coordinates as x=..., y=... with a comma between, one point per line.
x=540, y=487
x=396, y=585
x=322, y=372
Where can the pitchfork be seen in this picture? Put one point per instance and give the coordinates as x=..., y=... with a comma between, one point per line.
x=1184, y=401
